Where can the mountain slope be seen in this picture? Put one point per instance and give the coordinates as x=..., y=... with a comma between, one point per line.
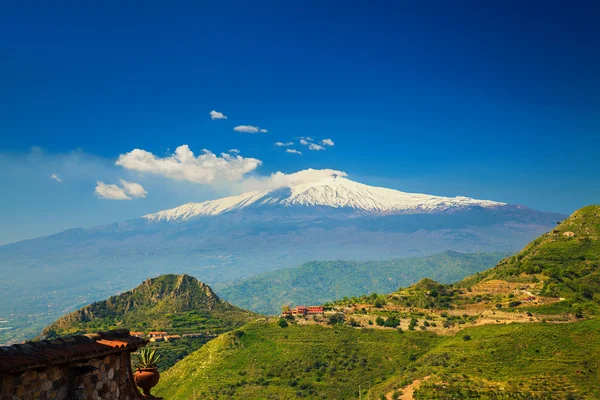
x=318, y=282
x=173, y=303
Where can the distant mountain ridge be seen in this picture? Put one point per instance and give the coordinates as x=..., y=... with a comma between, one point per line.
x=318, y=282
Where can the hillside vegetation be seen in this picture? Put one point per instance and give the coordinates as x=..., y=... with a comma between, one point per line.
x=322, y=281
x=263, y=360
x=566, y=261
x=525, y=329
x=176, y=304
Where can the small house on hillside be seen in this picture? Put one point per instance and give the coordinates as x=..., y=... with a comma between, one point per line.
x=315, y=310
x=569, y=234
x=300, y=310
x=303, y=310
x=137, y=334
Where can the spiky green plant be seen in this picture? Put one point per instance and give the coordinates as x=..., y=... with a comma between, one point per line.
x=148, y=358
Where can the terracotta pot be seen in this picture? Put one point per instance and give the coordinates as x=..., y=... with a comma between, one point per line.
x=146, y=379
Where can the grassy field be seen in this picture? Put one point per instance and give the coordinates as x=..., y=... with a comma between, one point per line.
x=514, y=361
x=263, y=360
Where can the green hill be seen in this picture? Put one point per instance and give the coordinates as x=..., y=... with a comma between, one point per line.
x=525, y=329
x=176, y=304
x=263, y=360
x=322, y=281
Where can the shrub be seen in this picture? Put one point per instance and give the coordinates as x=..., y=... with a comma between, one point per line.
x=379, y=321
x=282, y=323
x=466, y=337
x=392, y=322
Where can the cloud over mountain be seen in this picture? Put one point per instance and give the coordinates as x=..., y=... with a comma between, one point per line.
x=293, y=151
x=207, y=168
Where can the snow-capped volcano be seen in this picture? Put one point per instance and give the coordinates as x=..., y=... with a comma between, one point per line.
x=309, y=215
x=333, y=191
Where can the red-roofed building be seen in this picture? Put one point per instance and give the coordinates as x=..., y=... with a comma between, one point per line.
x=300, y=310
x=315, y=310
x=303, y=310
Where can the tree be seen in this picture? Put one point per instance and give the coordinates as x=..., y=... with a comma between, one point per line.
x=335, y=319
x=379, y=321
x=392, y=322
x=283, y=323
x=285, y=309
x=413, y=323
x=379, y=303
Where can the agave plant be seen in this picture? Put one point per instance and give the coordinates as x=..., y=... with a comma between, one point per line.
x=148, y=358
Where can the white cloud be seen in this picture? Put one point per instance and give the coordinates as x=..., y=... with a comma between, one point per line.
x=327, y=142
x=282, y=144
x=315, y=147
x=56, y=178
x=304, y=142
x=249, y=129
x=207, y=168
x=217, y=115
x=110, y=192
x=133, y=189
x=129, y=191
x=236, y=151
x=281, y=179
x=293, y=151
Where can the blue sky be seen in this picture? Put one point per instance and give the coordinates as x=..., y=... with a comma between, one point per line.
x=493, y=100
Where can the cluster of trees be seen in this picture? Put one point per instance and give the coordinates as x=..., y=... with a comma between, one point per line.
x=391, y=322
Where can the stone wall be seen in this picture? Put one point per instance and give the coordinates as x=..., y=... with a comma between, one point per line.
x=109, y=377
